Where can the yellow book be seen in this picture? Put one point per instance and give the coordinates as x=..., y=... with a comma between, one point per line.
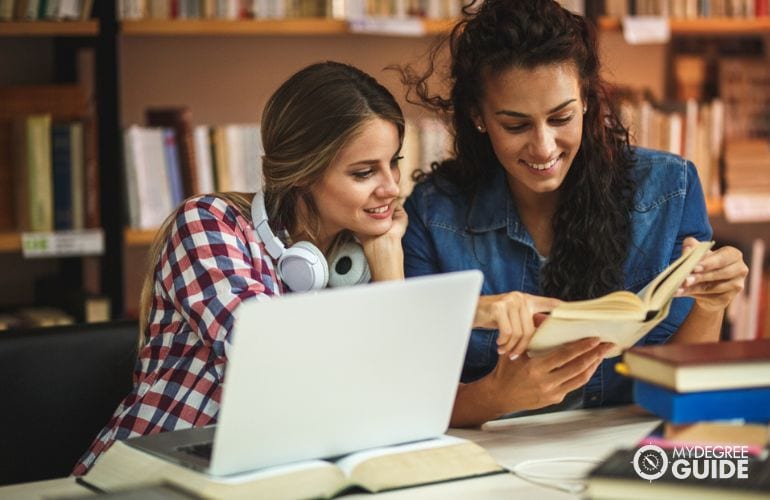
x=619, y=317
x=445, y=458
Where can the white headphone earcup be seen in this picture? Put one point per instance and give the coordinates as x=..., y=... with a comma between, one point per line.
x=349, y=266
x=303, y=267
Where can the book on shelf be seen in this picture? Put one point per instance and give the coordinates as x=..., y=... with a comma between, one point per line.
x=68, y=175
x=615, y=478
x=701, y=367
x=755, y=437
x=45, y=10
x=437, y=460
x=620, y=317
x=33, y=173
x=750, y=404
x=7, y=201
x=149, y=193
x=180, y=120
x=63, y=103
x=203, y=162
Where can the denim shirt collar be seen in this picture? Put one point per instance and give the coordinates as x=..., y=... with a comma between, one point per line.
x=485, y=212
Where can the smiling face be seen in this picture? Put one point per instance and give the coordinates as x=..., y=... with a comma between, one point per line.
x=358, y=190
x=534, y=118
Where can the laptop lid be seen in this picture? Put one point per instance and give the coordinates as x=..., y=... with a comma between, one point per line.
x=327, y=373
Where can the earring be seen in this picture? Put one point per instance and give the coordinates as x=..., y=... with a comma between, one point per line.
x=585, y=108
x=480, y=128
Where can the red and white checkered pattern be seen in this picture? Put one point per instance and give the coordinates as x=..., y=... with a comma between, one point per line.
x=212, y=262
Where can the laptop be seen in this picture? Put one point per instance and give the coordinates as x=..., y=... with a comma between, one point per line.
x=324, y=374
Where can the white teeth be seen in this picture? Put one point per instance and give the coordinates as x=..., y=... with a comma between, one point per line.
x=380, y=210
x=542, y=166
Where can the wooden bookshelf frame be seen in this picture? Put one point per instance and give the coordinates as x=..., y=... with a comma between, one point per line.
x=703, y=26
x=49, y=28
x=10, y=242
x=138, y=237
x=221, y=27
x=250, y=27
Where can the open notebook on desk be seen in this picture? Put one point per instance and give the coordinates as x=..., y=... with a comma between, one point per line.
x=322, y=375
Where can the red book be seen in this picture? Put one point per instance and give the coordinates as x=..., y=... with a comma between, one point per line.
x=701, y=367
x=760, y=8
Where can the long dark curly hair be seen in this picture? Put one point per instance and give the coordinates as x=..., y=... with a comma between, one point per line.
x=591, y=226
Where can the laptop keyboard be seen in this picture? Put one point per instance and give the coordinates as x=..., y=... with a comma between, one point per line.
x=202, y=450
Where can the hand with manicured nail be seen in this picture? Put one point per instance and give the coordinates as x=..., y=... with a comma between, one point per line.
x=717, y=278
x=514, y=314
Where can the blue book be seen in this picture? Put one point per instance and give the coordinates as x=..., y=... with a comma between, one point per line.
x=752, y=405
x=172, y=166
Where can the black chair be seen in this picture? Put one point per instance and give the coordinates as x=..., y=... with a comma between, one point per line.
x=58, y=388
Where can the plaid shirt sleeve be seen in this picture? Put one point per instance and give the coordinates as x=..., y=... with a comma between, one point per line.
x=210, y=264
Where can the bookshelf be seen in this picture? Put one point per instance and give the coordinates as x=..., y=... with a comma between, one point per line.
x=703, y=26
x=238, y=64
x=282, y=27
x=61, y=54
x=49, y=28
x=214, y=27
x=133, y=237
x=10, y=241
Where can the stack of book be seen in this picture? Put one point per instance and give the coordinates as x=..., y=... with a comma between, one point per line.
x=715, y=402
x=688, y=383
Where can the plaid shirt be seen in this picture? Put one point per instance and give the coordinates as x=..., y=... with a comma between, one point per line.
x=212, y=262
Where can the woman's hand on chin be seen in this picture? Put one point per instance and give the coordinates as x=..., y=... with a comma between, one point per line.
x=393, y=235
x=384, y=252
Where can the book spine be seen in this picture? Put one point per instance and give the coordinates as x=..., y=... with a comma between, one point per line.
x=7, y=209
x=40, y=173
x=752, y=405
x=62, y=176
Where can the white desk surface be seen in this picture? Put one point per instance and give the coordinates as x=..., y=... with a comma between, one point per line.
x=578, y=433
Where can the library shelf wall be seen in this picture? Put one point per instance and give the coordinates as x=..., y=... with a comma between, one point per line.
x=61, y=53
x=235, y=75
x=277, y=27
x=221, y=27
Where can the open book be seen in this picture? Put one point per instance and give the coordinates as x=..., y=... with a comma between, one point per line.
x=124, y=466
x=619, y=317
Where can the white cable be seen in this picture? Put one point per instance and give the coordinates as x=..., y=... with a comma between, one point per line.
x=569, y=484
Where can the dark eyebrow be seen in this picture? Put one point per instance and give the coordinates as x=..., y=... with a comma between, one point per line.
x=516, y=114
x=364, y=163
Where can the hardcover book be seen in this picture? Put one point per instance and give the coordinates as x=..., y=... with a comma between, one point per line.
x=751, y=405
x=702, y=367
x=436, y=460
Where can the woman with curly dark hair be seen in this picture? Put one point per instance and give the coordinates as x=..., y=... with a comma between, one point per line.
x=547, y=198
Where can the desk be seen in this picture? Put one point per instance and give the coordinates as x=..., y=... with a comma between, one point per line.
x=584, y=433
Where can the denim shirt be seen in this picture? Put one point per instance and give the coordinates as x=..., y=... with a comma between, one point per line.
x=448, y=231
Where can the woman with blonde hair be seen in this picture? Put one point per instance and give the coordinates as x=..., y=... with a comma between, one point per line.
x=331, y=135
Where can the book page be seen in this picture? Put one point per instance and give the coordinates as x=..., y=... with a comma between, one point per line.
x=124, y=466
x=615, y=305
x=662, y=289
x=349, y=462
x=624, y=333
x=412, y=464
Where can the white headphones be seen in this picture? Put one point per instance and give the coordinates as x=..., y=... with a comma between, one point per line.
x=302, y=266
